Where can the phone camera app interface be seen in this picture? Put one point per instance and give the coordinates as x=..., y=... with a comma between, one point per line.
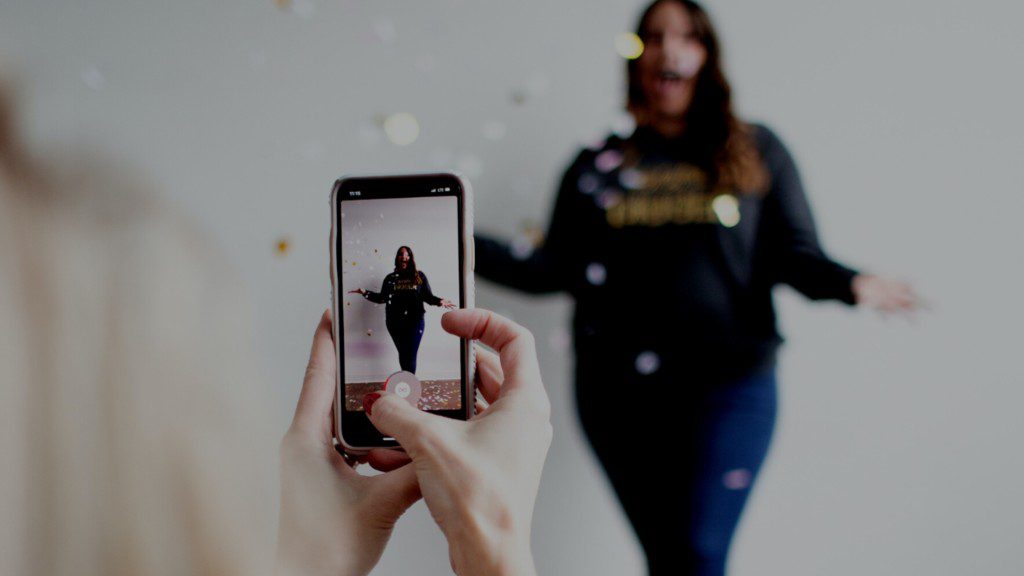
x=399, y=272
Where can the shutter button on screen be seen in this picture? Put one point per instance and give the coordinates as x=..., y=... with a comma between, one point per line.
x=406, y=386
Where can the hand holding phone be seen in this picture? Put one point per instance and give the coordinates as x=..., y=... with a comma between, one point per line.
x=479, y=478
x=333, y=519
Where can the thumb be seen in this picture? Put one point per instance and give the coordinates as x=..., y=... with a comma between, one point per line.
x=395, y=417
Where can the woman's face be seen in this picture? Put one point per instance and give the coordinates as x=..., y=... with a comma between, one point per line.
x=671, y=59
x=403, y=259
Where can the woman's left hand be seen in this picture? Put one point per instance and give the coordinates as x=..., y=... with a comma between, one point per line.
x=884, y=294
x=447, y=304
x=334, y=521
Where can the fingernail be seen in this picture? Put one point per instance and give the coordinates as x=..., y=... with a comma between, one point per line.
x=368, y=401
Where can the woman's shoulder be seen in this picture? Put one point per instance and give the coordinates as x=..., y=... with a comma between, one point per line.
x=767, y=140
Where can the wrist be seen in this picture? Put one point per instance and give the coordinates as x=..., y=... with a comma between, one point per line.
x=491, y=549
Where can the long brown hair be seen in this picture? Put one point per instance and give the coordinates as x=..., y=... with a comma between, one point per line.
x=725, y=145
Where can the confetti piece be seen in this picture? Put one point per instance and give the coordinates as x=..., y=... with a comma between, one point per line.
x=608, y=160
x=283, y=246
x=494, y=130
x=737, y=479
x=384, y=28
x=522, y=247
x=588, y=183
x=629, y=45
x=369, y=332
x=93, y=78
x=624, y=125
x=402, y=128
x=283, y=4
x=596, y=273
x=727, y=208
x=631, y=178
x=609, y=199
x=519, y=97
x=647, y=363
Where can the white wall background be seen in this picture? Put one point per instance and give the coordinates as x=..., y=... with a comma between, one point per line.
x=372, y=231
x=898, y=450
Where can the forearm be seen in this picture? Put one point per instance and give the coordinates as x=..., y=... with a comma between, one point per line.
x=537, y=273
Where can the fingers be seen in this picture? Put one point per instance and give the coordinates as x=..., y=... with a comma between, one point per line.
x=386, y=460
x=514, y=344
x=395, y=417
x=488, y=374
x=313, y=411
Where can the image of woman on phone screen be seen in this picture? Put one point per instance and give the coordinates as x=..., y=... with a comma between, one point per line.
x=692, y=219
x=403, y=293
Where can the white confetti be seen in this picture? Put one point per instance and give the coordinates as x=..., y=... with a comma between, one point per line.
x=93, y=78
x=522, y=247
x=384, y=28
x=596, y=273
x=631, y=178
x=647, y=363
x=624, y=125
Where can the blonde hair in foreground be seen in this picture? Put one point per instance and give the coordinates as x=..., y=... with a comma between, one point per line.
x=131, y=440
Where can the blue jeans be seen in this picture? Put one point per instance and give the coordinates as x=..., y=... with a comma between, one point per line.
x=682, y=457
x=406, y=332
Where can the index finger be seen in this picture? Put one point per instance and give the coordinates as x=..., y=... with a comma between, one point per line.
x=513, y=343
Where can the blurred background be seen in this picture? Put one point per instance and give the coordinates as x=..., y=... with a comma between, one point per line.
x=897, y=450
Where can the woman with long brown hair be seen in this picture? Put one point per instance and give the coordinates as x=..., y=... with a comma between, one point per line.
x=403, y=293
x=692, y=219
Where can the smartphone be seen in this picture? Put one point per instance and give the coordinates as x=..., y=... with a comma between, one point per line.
x=401, y=255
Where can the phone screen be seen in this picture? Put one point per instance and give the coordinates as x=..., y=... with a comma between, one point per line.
x=399, y=257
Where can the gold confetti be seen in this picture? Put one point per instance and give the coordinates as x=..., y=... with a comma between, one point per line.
x=283, y=246
x=629, y=45
x=369, y=332
x=402, y=128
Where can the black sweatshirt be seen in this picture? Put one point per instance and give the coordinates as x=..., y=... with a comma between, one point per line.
x=404, y=295
x=655, y=260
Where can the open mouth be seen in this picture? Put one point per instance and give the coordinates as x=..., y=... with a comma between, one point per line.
x=668, y=80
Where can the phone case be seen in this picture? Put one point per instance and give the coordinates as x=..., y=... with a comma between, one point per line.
x=467, y=279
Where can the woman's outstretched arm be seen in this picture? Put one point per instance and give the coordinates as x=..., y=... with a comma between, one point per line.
x=789, y=234
x=546, y=269
x=379, y=297
x=796, y=254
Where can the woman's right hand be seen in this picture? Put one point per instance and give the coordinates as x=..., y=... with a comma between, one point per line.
x=479, y=478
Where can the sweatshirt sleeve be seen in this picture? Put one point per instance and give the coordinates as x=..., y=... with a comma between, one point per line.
x=547, y=268
x=426, y=294
x=795, y=255
x=382, y=296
